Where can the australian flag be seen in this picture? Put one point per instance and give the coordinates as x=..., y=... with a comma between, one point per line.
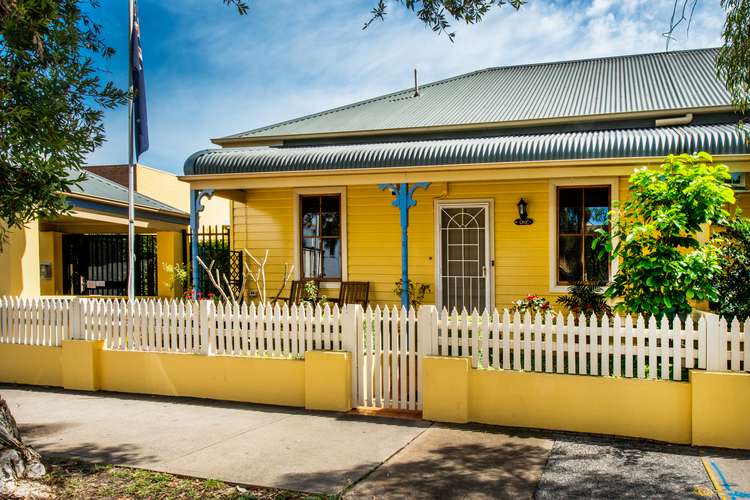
x=139, y=87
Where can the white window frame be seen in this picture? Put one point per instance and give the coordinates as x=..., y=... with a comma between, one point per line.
x=613, y=182
x=489, y=203
x=298, y=193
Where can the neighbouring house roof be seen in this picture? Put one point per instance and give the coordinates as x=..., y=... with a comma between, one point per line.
x=660, y=83
x=97, y=191
x=648, y=142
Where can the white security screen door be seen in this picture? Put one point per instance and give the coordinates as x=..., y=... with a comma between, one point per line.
x=464, y=256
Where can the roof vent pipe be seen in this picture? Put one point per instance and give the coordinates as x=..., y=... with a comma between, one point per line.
x=678, y=120
x=416, y=85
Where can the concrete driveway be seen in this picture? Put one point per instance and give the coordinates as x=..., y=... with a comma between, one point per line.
x=362, y=457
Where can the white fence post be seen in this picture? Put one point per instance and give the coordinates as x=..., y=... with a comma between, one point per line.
x=205, y=317
x=427, y=336
x=74, y=317
x=350, y=332
x=714, y=344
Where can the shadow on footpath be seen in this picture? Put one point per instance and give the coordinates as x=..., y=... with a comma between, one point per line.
x=474, y=469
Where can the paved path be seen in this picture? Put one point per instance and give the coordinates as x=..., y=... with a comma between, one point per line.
x=241, y=443
x=364, y=457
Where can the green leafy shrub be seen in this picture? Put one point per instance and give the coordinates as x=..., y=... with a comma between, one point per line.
x=587, y=298
x=662, y=264
x=733, y=281
x=417, y=292
x=311, y=294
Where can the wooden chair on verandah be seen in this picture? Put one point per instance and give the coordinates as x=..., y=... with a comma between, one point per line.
x=297, y=291
x=354, y=292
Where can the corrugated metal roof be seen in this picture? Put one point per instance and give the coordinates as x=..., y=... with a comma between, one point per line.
x=100, y=187
x=624, y=84
x=716, y=139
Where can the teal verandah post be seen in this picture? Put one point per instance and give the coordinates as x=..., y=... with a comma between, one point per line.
x=404, y=200
x=196, y=206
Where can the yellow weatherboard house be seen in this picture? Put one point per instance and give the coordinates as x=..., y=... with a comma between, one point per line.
x=487, y=186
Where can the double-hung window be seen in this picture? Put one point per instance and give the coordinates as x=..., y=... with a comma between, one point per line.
x=581, y=211
x=320, y=226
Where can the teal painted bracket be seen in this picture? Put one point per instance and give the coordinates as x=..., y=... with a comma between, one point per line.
x=196, y=207
x=404, y=200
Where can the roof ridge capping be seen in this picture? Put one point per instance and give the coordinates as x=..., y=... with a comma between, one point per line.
x=254, y=133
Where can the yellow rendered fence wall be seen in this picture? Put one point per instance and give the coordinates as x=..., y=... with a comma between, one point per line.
x=652, y=409
x=257, y=380
x=30, y=364
x=721, y=409
x=322, y=381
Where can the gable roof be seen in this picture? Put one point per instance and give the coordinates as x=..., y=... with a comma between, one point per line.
x=659, y=83
x=107, y=191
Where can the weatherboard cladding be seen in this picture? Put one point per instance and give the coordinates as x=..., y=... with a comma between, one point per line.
x=623, y=84
x=717, y=139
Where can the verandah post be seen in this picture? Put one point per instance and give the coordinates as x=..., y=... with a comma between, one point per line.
x=404, y=200
x=196, y=207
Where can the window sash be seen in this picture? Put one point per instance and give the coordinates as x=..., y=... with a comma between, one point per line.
x=319, y=238
x=583, y=233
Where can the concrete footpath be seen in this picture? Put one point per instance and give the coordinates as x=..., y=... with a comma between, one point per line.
x=362, y=457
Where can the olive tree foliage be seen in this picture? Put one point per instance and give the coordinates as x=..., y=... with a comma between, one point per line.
x=662, y=264
x=51, y=102
x=733, y=281
x=435, y=14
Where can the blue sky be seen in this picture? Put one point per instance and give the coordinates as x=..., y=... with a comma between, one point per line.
x=210, y=72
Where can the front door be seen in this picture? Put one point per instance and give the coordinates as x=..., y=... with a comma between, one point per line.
x=464, y=274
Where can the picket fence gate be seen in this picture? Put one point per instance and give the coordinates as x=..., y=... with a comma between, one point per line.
x=388, y=344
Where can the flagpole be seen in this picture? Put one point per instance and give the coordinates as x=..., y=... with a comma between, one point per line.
x=131, y=167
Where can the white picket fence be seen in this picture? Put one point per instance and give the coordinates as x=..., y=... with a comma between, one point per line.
x=388, y=344
x=208, y=328
x=34, y=321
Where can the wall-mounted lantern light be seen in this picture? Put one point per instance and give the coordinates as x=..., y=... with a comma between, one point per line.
x=523, y=215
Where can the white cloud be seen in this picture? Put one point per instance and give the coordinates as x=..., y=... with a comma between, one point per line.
x=599, y=7
x=224, y=74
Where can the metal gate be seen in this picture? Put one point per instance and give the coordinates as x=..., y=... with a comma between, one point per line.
x=214, y=246
x=97, y=264
x=388, y=360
